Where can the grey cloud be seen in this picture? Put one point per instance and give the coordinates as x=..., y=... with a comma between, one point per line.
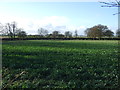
x=60, y=27
x=51, y=28
x=31, y=25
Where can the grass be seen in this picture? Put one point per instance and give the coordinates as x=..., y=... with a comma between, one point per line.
x=60, y=64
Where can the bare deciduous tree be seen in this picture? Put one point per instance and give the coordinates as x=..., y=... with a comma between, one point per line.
x=76, y=33
x=22, y=34
x=118, y=33
x=55, y=34
x=116, y=3
x=2, y=29
x=42, y=32
x=68, y=34
x=11, y=29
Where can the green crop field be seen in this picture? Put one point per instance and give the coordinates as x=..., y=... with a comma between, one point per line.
x=60, y=64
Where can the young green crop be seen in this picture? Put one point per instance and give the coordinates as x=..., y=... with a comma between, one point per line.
x=60, y=64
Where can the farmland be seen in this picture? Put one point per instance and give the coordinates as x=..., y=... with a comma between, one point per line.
x=60, y=64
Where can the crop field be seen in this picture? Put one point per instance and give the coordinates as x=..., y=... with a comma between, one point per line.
x=60, y=64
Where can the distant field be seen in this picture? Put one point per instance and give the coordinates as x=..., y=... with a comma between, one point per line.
x=4, y=37
x=60, y=64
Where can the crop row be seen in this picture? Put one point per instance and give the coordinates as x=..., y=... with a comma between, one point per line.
x=60, y=64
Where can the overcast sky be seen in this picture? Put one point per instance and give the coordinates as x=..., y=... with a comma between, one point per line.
x=61, y=16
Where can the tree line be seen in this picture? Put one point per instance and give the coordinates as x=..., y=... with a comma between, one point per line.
x=12, y=31
x=98, y=31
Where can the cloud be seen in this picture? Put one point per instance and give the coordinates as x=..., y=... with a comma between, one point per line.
x=55, y=20
x=51, y=23
x=80, y=29
x=52, y=28
x=63, y=28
